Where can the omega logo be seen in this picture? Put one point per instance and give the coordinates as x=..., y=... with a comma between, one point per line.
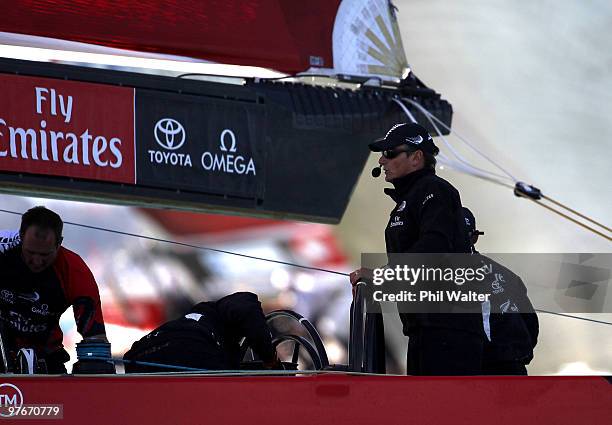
x=228, y=162
x=232, y=138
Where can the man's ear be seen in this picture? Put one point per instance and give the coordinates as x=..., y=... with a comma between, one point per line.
x=61, y=239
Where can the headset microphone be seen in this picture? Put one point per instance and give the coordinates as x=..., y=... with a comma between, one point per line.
x=376, y=171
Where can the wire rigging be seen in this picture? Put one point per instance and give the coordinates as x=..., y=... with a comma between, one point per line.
x=566, y=217
x=460, y=137
x=576, y=212
x=203, y=248
x=574, y=317
x=463, y=164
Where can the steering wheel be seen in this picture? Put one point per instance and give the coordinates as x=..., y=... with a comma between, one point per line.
x=291, y=350
x=295, y=340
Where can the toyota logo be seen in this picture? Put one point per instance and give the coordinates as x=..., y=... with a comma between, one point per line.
x=169, y=134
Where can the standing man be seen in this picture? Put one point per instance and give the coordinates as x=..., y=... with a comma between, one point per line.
x=427, y=218
x=39, y=280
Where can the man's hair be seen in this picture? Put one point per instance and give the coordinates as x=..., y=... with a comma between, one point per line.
x=430, y=161
x=43, y=218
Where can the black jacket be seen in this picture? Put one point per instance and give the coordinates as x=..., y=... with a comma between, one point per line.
x=428, y=219
x=207, y=336
x=513, y=322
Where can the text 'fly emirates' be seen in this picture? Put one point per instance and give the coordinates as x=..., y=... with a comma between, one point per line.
x=46, y=144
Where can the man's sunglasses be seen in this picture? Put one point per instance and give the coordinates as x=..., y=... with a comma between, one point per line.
x=391, y=153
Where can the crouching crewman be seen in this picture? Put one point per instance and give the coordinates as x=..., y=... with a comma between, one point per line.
x=207, y=337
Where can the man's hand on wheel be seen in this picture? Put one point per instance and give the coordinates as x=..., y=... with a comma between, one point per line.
x=360, y=275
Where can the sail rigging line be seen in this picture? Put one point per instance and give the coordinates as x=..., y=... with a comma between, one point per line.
x=448, y=162
x=469, y=172
x=444, y=160
x=466, y=167
x=548, y=198
x=406, y=111
x=203, y=248
x=603, y=322
x=135, y=235
x=461, y=159
x=564, y=216
x=460, y=137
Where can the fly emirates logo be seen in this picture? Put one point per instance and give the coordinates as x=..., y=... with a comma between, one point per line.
x=47, y=145
x=72, y=132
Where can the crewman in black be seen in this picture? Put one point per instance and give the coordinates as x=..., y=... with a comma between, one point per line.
x=207, y=337
x=510, y=321
x=427, y=218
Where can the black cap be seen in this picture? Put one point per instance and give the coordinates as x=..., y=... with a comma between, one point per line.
x=470, y=222
x=412, y=135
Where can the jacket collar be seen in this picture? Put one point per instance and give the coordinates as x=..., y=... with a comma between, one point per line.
x=404, y=184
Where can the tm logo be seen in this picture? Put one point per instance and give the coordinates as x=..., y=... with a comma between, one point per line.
x=169, y=134
x=10, y=395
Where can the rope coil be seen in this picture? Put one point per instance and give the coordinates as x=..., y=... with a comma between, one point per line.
x=93, y=350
